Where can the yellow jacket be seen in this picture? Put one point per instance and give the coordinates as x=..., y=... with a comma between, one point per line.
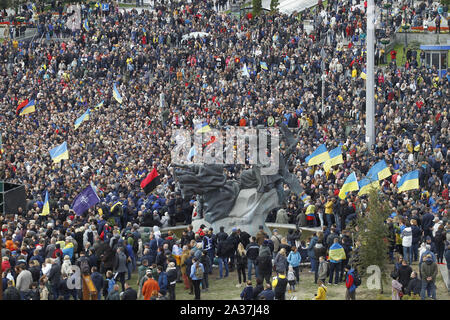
x=321, y=293
x=329, y=207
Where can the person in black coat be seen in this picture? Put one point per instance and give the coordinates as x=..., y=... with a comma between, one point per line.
x=98, y=281
x=244, y=237
x=171, y=279
x=414, y=285
x=258, y=288
x=11, y=293
x=129, y=293
x=404, y=275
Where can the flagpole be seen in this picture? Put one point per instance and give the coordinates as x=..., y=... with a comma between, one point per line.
x=370, y=82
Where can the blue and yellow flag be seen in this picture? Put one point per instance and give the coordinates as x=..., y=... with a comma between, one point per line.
x=409, y=181
x=319, y=156
x=86, y=25
x=1, y=146
x=117, y=95
x=203, y=128
x=350, y=184
x=417, y=146
x=84, y=116
x=363, y=74
x=99, y=105
x=192, y=153
x=335, y=159
x=59, y=153
x=379, y=171
x=365, y=185
x=46, y=208
x=29, y=108
x=336, y=253
x=263, y=65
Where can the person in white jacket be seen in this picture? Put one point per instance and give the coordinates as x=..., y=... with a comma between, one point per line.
x=66, y=268
x=407, y=242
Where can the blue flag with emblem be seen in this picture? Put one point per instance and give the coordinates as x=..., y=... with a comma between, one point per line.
x=85, y=200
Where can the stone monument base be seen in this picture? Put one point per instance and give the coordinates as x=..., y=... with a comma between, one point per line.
x=249, y=212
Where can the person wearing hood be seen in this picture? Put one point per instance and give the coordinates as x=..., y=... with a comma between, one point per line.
x=264, y=262
x=429, y=271
x=165, y=220
x=121, y=266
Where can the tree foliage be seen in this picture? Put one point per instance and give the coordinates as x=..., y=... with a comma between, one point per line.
x=373, y=235
x=257, y=7
x=5, y=4
x=274, y=4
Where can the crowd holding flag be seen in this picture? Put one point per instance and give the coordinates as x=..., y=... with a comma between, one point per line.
x=365, y=185
x=21, y=105
x=28, y=108
x=116, y=94
x=203, y=128
x=151, y=181
x=263, y=66
x=335, y=159
x=379, y=171
x=85, y=200
x=319, y=156
x=83, y=117
x=46, y=207
x=350, y=184
x=59, y=153
x=409, y=181
x=86, y=25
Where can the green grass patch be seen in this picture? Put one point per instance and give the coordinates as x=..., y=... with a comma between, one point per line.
x=127, y=5
x=226, y=289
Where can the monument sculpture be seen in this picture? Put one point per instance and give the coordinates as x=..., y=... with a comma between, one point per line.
x=244, y=202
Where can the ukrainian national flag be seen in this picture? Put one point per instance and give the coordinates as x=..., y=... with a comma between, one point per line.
x=84, y=116
x=350, y=184
x=1, y=146
x=86, y=25
x=263, y=65
x=29, y=108
x=203, y=128
x=46, y=208
x=363, y=74
x=409, y=181
x=379, y=171
x=117, y=95
x=335, y=159
x=99, y=105
x=319, y=156
x=336, y=253
x=417, y=146
x=59, y=153
x=365, y=185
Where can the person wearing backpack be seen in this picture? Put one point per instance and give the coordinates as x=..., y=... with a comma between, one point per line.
x=83, y=264
x=108, y=284
x=352, y=281
x=197, y=271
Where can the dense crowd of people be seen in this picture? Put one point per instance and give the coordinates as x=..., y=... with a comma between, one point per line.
x=169, y=83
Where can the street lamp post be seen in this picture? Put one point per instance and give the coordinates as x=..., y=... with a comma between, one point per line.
x=370, y=82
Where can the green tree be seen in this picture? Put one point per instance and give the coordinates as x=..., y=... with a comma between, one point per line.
x=5, y=4
x=274, y=4
x=372, y=232
x=257, y=7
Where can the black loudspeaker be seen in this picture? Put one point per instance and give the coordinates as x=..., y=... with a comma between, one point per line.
x=12, y=196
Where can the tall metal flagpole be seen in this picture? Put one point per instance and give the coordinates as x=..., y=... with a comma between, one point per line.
x=370, y=82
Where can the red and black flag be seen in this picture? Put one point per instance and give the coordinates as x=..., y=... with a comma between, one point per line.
x=151, y=182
